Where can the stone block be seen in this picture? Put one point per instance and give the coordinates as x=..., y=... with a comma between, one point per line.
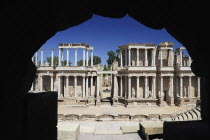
x=68, y=131
x=87, y=129
x=149, y=128
x=129, y=129
x=107, y=132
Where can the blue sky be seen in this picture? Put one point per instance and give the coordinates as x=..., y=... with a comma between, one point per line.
x=106, y=34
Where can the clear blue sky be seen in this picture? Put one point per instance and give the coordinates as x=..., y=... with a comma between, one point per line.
x=106, y=34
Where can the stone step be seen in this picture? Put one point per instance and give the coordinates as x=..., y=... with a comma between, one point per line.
x=87, y=129
x=107, y=132
x=129, y=129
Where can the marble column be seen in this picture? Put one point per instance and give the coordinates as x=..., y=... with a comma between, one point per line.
x=98, y=86
x=51, y=83
x=153, y=57
x=137, y=87
x=91, y=86
x=41, y=83
x=146, y=61
x=146, y=87
x=199, y=87
x=67, y=57
x=84, y=56
x=75, y=57
x=190, y=61
x=154, y=86
x=181, y=86
x=161, y=86
x=180, y=51
x=59, y=57
x=36, y=59
x=115, y=85
x=91, y=58
x=59, y=86
x=87, y=84
x=125, y=86
x=172, y=57
x=83, y=86
x=190, y=85
x=75, y=86
x=67, y=86
x=62, y=57
x=129, y=86
x=129, y=57
x=121, y=87
x=137, y=57
x=121, y=59
x=172, y=86
x=161, y=58
x=87, y=57
x=42, y=55
x=126, y=58
x=52, y=57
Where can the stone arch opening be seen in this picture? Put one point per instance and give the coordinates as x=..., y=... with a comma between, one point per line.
x=47, y=18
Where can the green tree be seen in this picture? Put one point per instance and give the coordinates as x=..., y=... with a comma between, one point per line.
x=112, y=57
x=96, y=60
x=80, y=63
x=55, y=61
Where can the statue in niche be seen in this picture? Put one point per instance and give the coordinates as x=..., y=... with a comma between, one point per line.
x=150, y=94
x=140, y=63
x=79, y=94
x=133, y=92
x=71, y=93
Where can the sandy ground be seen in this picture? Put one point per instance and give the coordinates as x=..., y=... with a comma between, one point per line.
x=145, y=110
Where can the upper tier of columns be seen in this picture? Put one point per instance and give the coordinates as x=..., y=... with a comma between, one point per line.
x=61, y=55
x=126, y=61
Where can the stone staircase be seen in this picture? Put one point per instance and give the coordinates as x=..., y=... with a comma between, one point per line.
x=191, y=114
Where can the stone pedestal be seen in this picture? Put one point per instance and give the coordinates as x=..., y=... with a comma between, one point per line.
x=171, y=101
x=161, y=102
x=98, y=101
x=91, y=101
x=115, y=101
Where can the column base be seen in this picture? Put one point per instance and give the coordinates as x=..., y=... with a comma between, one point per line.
x=171, y=101
x=161, y=102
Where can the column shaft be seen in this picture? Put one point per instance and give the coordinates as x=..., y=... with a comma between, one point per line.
x=121, y=59
x=190, y=85
x=59, y=57
x=41, y=83
x=51, y=83
x=172, y=86
x=129, y=86
x=125, y=87
x=91, y=86
x=67, y=86
x=87, y=95
x=83, y=86
x=36, y=59
x=146, y=87
x=42, y=55
x=121, y=87
x=75, y=57
x=83, y=57
x=161, y=86
x=154, y=87
x=137, y=87
x=126, y=58
x=75, y=86
x=129, y=57
x=146, y=61
x=91, y=57
x=181, y=87
x=180, y=57
x=67, y=57
x=153, y=57
x=161, y=58
x=98, y=86
x=137, y=57
x=62, y=57
x=52, y=57
x=59, y=86
x=87, y=57
x=115, y=85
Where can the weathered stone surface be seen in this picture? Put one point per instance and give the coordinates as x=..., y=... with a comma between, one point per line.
x=87, y=129
x=151, y=127
x=107, y=132
x=129, y=129
x=67, y=131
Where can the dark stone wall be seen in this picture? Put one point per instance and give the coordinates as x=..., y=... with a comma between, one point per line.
x=27, y=25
